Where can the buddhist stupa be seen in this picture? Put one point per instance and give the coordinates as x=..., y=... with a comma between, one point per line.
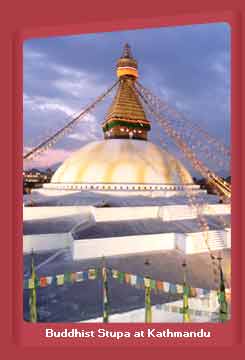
x=125, y=156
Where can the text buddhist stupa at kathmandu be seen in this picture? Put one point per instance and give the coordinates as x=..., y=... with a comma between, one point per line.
x=125, y=159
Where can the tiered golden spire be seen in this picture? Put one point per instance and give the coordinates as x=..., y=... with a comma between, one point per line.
x=126, y=117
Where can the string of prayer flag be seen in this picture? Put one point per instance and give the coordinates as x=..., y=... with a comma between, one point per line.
x=140, y=282
x=60, y=279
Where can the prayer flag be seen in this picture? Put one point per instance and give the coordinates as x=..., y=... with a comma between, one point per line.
x=85, y=275
x=115, y=274
x=73, y=277
x=67, y=277
x=121, y=276
x=166, y=286
x=49, y=280
x=92, y=274
x=179, y=289
x=133, y=280
x=43, y=281
x=127, y=278
x=79, y=276
x=153, y=284
x=60, y=279
x=193, y=292
x=172, y=289
x=159, y=285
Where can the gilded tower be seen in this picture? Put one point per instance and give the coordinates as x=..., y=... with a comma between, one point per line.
x=126, y=118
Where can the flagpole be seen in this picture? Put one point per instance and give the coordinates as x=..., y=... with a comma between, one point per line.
x=105, y=292
x=33, y=294
x=185, y=308
x=223, y=309
x=148, y=310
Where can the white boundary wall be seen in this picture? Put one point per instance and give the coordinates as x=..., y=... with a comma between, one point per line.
x=125, y=245
x=49, y=212
x=167, y=212
x=190, y=243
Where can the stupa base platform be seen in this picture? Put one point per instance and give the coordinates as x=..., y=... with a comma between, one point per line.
x=130, y=188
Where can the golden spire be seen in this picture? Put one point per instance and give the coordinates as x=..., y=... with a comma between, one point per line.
x=127, y=65
x=126, y=117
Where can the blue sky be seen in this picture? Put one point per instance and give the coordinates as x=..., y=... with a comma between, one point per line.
x=189, y=66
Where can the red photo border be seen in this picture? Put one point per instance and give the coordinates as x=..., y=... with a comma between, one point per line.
x=32, y=20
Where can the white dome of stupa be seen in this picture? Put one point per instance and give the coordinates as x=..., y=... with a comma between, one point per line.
x=122, y=161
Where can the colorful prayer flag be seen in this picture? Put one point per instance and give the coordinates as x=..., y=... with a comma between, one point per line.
x=179, y=289
x=85, y=275
x=159, y=285
x=127, y=278
x=206, y=291
x=79, y=276
x=133, y=280
x=92, y=274
x=172, y=289
x=153, y=284
x=67, y=277
x=73, y=277
x=140, y=282
x=60, y=279
x=115, y=274
x=166, y=286
x=43, y=281
x=121, y=276
x=193, y=292
x=49, y=280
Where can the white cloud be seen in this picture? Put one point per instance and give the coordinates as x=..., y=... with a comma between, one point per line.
x=48, y=159
x=42, y=103
x=75, y=83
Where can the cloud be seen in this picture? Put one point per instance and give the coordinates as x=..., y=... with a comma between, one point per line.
x=53, y=157
x=48, y=105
